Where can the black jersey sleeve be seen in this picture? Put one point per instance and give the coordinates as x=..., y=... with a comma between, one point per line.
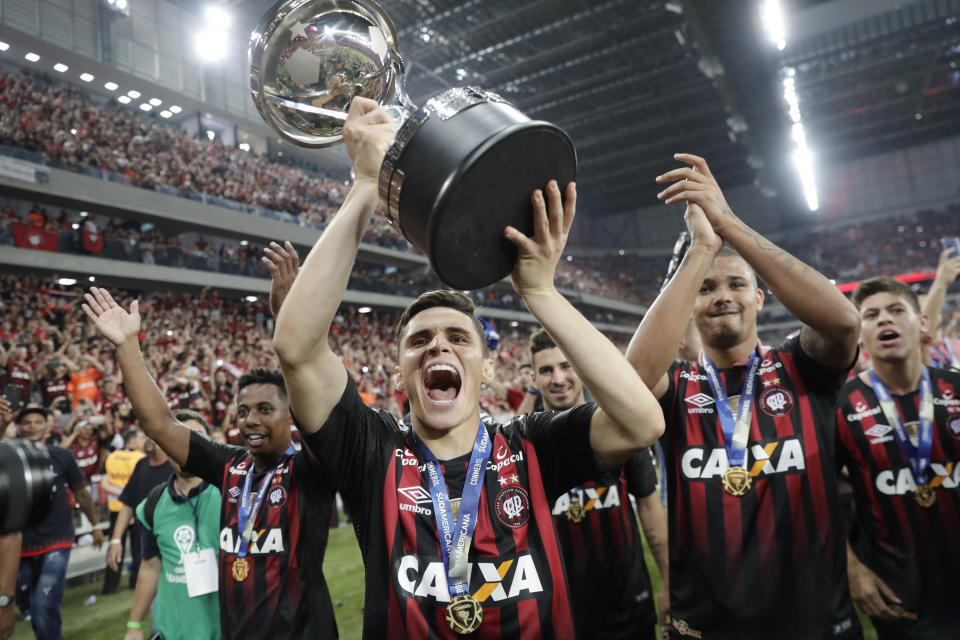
x=148, y=543
x=347, y=443
x=562, y=442
x=126, y=496
x=816, y=377
x=206, y=458
x=640, y=474
x=72, y=474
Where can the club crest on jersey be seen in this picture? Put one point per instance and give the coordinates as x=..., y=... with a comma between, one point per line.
x=263, y=542
x=776, y=402
x=879, y=433
x=591, y=499
x=413, y=498
x=495, y=581
x=898, y=482
x=763, y=459
x=277, y=497
x=953, y=426
x=699, y=403
x=513, y=506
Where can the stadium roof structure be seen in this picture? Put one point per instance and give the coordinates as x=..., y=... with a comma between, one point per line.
x=635, y=81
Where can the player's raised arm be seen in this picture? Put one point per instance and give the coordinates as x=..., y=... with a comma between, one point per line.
x=628, y=417
x=832, y=324
x=314, y=376
x=122, y=328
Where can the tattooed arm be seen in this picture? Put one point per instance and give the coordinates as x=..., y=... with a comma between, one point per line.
x=832, y=324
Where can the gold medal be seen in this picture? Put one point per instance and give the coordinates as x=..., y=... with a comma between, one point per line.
x=240, y=569
x=576, y=512
x=464, y=614
x=925, y=495
x=737, y=481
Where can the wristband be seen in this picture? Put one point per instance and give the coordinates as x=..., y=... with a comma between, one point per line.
x=134, y=625
x=533, y=390
x=116, y=541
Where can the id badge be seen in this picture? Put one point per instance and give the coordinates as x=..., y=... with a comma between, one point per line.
x=201, y=570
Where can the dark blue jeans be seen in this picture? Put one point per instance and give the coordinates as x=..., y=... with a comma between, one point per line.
x=44, y=578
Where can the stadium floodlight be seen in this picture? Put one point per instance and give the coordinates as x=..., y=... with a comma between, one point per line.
x=211, y=134
x=211, y=41
x=122, y=4
x=87, y=77
x=244, y=146
x=251, y=298
x=244, y=243
x=110, y=86
x=124, y=99
x=92, y=279
x=772, y=18
x=67, y=282
x=165, y=114
x=175, y=109
x=60, y=67
x=146, y=107
x=803, y=160
x=133, y=93
x=31, y=56
x=155, y=101
x=364, y=310
x=4, y=46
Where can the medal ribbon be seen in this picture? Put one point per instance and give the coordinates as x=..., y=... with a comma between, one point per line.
x=953, y=361
x=247, y=510
x=918, y=456
x=455, y=544
x=735, y=433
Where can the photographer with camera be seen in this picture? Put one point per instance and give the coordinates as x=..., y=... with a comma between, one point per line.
x=46, y=546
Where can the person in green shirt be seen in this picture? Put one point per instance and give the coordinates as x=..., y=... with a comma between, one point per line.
x=181, y=527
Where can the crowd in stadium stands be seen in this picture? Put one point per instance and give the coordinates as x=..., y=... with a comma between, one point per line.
x=195, y=345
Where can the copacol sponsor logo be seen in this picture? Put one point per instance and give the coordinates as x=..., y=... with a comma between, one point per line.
x=592, y=499
x=492, y=580
x=764, y=458
x=898, y=482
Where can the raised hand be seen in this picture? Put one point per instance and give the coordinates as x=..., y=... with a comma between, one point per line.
x=538, y=256
x=111, y=320
x=700, y=230
x=284, y=264
x=948, y=267
x=696, y=185
x=368, y=132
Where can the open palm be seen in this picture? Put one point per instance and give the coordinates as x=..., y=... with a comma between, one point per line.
x=113, y=321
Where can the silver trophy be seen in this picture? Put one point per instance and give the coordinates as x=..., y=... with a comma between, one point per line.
x=461, y=168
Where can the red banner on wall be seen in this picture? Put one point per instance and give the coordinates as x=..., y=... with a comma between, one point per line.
x=93, y=240
x=33, y=238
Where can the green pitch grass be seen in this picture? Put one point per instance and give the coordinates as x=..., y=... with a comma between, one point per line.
x=343, y=567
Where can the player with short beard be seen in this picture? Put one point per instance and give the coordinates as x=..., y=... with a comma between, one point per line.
x=498, y=571
x=756, y=547
x=899, y=429
x=597, y=525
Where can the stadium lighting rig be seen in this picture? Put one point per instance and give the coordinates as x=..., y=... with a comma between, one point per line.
x=121, y=7
x=211, y=41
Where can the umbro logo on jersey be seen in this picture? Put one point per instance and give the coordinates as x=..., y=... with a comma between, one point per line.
x=953, y=426
x=763, y=458
x=233, y=494
x=496, y=581
x=264, y=542
x=592, y=498
x=699, y=403
x=879, y=433
x=899, y=482
x=415, y=496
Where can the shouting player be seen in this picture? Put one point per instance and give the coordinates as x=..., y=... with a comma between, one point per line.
x=453, y=516
x=899, y=427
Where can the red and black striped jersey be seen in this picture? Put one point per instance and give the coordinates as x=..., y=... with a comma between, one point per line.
x=515, y=569
x=603, y=553
x=285, y=594
x=771, y=563
x=913, y=549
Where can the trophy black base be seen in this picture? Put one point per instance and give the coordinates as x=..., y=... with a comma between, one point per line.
x=458, y=181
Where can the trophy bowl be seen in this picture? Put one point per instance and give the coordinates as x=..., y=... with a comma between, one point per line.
x=462, y=166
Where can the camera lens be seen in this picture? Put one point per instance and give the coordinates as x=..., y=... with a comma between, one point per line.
x=26, y=485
